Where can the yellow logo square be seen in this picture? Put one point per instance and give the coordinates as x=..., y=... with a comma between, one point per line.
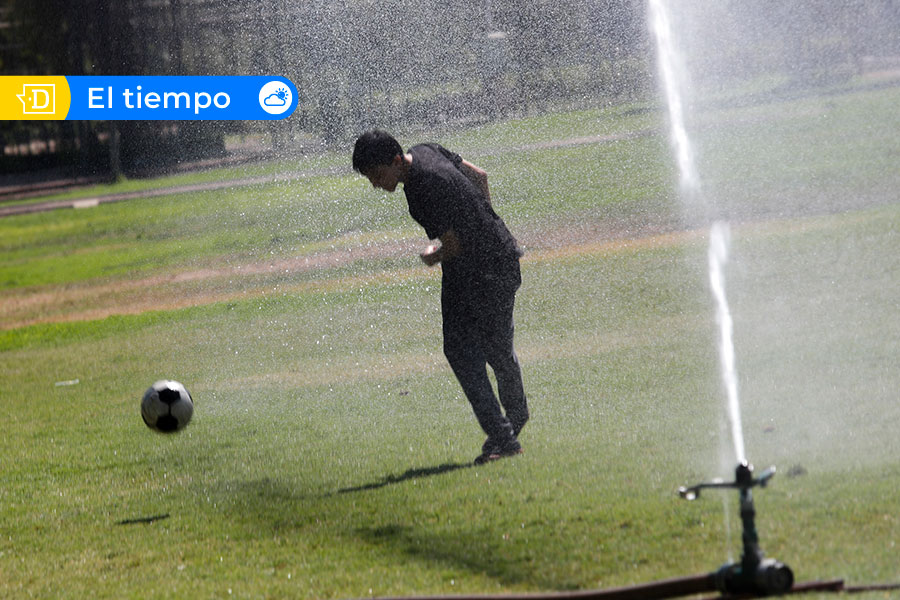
x=37, y=97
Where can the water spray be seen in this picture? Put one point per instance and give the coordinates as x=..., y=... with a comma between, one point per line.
x=754, y=574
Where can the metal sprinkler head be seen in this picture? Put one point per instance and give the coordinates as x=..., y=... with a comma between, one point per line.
x=754, y=574
x=743, y=475
x=743, y=479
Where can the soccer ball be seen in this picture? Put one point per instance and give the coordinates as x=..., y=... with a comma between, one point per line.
x=167, y=407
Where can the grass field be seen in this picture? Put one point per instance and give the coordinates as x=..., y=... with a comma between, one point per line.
x=330, y=452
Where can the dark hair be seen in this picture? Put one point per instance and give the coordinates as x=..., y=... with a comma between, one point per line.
x=374, y=148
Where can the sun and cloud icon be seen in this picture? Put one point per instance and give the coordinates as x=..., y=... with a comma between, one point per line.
x=279, y=98
x=275, y=98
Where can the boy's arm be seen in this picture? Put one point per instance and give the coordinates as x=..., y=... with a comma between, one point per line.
x=478, y=176
x=449, y=248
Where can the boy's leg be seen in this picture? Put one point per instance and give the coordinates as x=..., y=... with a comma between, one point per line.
x=497, y=332
x=464, y=353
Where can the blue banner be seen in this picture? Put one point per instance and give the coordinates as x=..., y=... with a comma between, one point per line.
x=179, y=98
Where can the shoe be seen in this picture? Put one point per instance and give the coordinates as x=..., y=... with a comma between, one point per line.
x=490, y=456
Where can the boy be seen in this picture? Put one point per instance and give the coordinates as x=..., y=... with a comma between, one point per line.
x=449, y=197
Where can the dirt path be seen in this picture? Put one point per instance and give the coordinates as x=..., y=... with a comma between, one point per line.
x=231, y=280
x=228, y=279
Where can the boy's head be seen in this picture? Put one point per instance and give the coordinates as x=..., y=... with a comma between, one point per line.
x=375, y=148
x=379, y=157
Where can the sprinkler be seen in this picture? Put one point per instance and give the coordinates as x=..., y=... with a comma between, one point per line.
x=754, y=574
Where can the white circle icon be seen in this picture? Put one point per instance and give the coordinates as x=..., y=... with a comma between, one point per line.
x=275, y=98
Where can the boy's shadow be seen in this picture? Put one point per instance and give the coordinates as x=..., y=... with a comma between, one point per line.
x=406, y=476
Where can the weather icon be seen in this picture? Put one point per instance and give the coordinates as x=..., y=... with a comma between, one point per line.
x=279, y=98
x=275, y=98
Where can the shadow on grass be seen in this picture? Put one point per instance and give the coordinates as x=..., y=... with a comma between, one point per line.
x=473, y=550
x=406, y=476
x=471, y=547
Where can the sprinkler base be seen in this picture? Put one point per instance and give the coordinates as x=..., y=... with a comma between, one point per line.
x=765, y=578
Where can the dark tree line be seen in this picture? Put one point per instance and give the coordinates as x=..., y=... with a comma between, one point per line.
x=101, y=37
x=358, y=63
x=355, y=63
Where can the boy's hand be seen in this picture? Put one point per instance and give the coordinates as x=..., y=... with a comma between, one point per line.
x=449, y=248
x=431, y=256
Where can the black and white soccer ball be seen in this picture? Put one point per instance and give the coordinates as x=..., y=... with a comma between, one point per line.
x=167, y=406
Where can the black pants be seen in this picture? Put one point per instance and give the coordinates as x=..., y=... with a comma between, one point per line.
x=478, y=331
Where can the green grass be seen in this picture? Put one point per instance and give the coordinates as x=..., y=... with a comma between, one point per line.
x=832, y=152
x=329, y=453
x=552, y=128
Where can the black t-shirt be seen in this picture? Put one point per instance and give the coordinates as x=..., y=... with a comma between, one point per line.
x=441, y=198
